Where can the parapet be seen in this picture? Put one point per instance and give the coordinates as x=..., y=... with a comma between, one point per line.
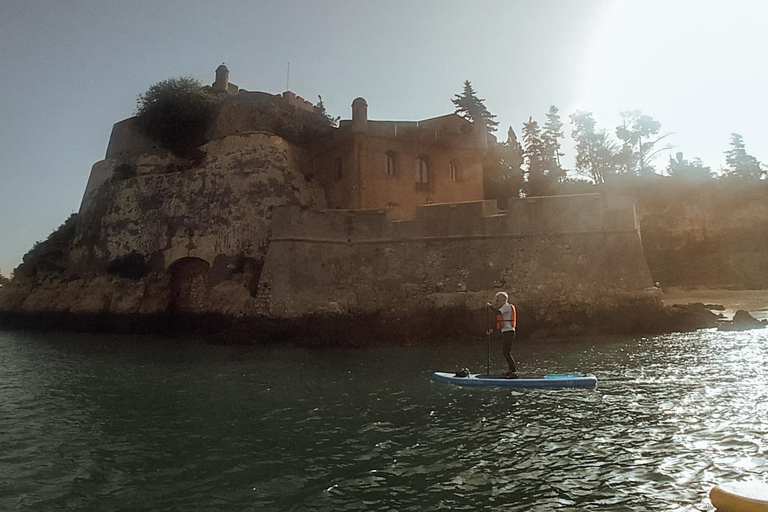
x=290, y=99
x=127, y=140
x=581, y=213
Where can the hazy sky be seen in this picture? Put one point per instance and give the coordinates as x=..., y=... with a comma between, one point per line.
x=72, y=68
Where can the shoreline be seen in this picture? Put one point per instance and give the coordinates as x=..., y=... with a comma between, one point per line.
x=429, y=326
x=753, y=301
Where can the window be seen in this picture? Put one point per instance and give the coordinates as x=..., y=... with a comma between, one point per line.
x=421, y=171
x=390, y=163
x=339, y=168
x=455, y=170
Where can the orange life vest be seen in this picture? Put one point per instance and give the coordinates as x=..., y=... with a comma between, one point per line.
x=512, y=320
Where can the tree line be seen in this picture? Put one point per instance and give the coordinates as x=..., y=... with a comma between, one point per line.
x=534, y=166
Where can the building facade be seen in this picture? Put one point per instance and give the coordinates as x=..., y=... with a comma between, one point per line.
x=402, y=165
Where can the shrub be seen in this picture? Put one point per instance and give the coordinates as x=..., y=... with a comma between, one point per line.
x=177, y=113
x=49, y=258
x=131, y=266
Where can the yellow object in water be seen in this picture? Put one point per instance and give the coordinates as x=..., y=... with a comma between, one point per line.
x=740, y=497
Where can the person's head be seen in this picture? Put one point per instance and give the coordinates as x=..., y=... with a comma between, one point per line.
x=501, y=298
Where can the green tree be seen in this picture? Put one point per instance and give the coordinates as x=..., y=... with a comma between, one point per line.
x=740, y=163
x=471, y=107
x=680, y=168
x=3, y=280
x=320, y=106
x=49, y=259
x=537, y=179
x=177, y=113
x=637, y=133
x=553, y=132
x=595, y=152
x=502, y=170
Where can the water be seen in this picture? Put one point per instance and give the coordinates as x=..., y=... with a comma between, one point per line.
x=94, y=422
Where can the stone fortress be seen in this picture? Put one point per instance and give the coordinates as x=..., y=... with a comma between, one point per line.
x=383, y=217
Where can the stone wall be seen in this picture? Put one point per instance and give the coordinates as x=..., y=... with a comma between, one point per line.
x=220, y=209
x=713, y=233
x=454, y=255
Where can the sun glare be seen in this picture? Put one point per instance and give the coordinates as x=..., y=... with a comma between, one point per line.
x=676, y=61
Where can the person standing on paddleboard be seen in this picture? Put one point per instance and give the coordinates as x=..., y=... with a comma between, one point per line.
x=506, y=322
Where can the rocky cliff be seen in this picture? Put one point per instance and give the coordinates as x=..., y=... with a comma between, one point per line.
x=712, y=233
x=176, y=239
x=211, y=219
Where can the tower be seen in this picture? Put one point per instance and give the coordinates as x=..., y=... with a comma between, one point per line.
x=222, y=79
x=359, y=116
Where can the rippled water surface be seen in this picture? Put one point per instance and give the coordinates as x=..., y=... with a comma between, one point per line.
x=135, y=423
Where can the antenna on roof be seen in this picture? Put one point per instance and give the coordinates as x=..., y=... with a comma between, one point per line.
x=288, y=78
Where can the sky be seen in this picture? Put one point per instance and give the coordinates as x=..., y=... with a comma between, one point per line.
x=73, y=68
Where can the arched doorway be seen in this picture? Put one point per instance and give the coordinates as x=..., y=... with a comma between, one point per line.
x=188, y=285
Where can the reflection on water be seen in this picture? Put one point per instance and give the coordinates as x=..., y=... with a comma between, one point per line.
x=121, y=423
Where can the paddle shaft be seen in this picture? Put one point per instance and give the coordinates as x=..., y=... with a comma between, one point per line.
x=487, y=329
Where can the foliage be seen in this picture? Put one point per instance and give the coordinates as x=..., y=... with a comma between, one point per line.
x=502, y=170
x=639, y=147
x=299, y=127
x=595, y=152
x=3, y=280
x=535, y=160
x=740, y=163
x=551, y=135
x=332, y=121
x=679, y=168
x=471, y=107
x=177, y=113
x=131, y=266
x=48, y=258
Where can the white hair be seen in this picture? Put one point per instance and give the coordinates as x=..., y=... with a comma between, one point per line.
x=503, y=294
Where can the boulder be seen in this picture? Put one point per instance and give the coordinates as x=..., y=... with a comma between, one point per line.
x=742, y=321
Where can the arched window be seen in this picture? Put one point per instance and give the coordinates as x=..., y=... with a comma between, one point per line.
x=455, y=170
x=421, y=171
x=390, y=163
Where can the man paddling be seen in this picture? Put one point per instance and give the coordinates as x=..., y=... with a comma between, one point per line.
x=506, y=322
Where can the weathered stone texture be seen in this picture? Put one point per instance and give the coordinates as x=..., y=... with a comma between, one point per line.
x=222, y=207
x=352, y=262
x=715, y=233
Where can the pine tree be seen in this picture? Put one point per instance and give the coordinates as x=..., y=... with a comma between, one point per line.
x=740, y=163
x=553, y=132
x=470, y=107
x=537, y=182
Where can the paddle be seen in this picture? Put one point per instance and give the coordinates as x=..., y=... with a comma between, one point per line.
x=488, y=332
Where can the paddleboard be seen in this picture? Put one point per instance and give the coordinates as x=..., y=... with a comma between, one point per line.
x=524, y=381
x=740, y=497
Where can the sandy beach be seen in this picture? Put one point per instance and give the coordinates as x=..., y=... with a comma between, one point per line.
x=754, y=301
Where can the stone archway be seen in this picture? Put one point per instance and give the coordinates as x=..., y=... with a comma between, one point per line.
x=188, y=285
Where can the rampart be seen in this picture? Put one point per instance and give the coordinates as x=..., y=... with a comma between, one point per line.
x=544, y=250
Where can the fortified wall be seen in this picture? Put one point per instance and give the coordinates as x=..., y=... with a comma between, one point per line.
x=546, y=252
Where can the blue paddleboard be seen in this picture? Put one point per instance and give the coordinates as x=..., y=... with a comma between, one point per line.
x=525, y=381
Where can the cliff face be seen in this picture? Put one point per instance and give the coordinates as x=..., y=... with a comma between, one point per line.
x=713, y=233
x=203, y=228
x=239, y=229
